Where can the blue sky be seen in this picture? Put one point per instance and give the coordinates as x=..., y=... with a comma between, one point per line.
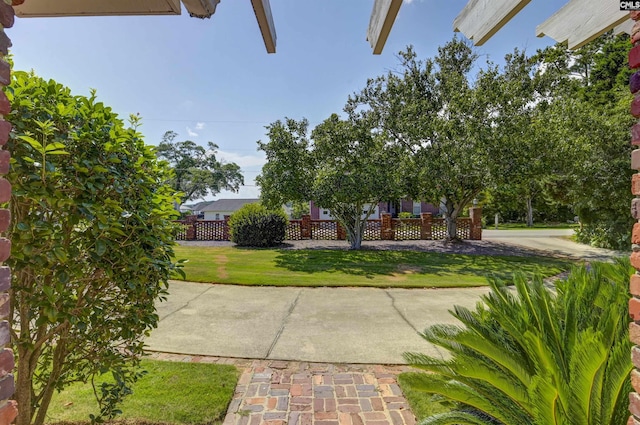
x=212, y=80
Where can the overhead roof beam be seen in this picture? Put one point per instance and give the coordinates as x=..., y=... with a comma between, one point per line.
x=581, y=21
x=201, y=8
x=262, y=9
x=382, y=18
x=481, y=19
x=53, y=8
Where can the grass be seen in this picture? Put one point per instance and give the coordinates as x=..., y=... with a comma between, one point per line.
x=422, y=404
x=170, y=393
x=373, y=268
x=520, y=226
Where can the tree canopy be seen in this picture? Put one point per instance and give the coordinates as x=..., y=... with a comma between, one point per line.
x=196, y=170
x=449, y=122
x=345, y=167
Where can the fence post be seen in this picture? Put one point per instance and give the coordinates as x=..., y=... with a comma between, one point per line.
x=342, y=232
x=305, y=227
x=191, y=220
x=386, y=228
x=226, y=235
x=426, y=221
x=476, y=223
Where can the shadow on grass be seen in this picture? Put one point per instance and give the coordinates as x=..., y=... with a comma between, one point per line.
x=370, y=263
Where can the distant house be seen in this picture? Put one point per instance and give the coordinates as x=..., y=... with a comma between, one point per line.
x=216, y=210
x=393, y=208
x=195, y=209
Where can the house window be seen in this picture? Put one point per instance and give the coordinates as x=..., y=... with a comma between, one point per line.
x=417, y=208
x=325, y=212
x=217, y=216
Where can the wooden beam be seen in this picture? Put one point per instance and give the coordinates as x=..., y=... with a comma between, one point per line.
x=580, y=21
x=48, y=8
x=201, y=8
x=481, y=19
x=626, y=26
x=262, y=9
x=382, y=18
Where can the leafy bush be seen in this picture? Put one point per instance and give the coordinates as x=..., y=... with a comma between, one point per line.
x=255, y=225
x=92, y=244
x=405, y=215
x=610, y=234
x=536, y=356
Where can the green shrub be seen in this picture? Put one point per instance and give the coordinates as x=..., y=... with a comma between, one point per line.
x=535, y=355
x=255, y=225
x=405, y=215
x=610, y=234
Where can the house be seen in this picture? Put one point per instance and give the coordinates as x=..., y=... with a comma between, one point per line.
x=394, y=208
x=216, y=210
x=195, y=209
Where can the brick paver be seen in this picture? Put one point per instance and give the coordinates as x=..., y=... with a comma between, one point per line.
x=274, y=392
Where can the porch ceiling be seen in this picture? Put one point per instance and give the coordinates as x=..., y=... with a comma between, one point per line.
x=578, y=22
x=49, y=8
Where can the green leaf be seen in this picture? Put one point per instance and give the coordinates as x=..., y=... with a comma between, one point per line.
x=60, y=254
x=54, y=146
x=33, y=142
x=101, y=247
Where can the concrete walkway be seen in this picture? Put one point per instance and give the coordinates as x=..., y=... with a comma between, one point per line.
x=334, y=325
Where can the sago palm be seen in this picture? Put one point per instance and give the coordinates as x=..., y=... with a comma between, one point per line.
x=536, y=355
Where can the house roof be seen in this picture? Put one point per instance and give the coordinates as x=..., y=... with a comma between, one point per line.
x=228, y=204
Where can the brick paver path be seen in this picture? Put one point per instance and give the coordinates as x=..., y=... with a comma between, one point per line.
x=273, y=392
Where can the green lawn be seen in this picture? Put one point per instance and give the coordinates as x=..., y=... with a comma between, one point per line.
x=521, y=226
x=170, y=393
x=275, y=267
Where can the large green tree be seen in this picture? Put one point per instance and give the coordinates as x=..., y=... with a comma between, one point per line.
x=448, y=121
x=344, y=167
x=587, y=122
x=196, y=170
x=92, y=244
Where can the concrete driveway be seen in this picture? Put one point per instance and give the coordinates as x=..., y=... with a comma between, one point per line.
x=331, y=325
x=550, y=241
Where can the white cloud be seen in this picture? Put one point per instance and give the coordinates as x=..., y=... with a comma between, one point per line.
x=244, y=161
x=199, y=125
x=191, y=133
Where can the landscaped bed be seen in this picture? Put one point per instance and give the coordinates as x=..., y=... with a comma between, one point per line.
x=170, y=393
x=376, y=268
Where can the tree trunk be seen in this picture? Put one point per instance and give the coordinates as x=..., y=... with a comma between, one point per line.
x=452, y=227
x=450, y=216
x=23, y=389
x=356, y=233
x=529, y=212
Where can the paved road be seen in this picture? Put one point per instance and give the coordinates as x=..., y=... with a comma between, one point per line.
x=550, y=241
x=333, y=325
